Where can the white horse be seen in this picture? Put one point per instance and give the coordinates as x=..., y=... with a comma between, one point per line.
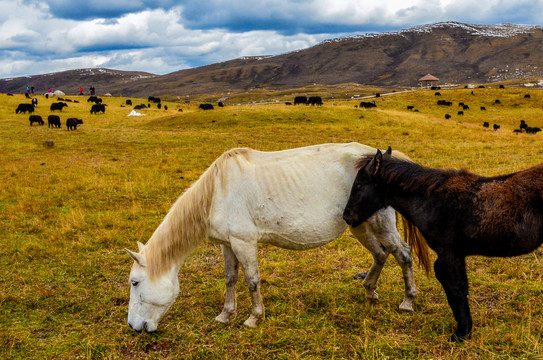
x=293, y=199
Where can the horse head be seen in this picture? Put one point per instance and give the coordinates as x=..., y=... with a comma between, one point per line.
x=366, y=196
x=150, y=298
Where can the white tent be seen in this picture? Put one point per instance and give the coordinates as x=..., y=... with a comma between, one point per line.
x=135, y=113
x=59, y=93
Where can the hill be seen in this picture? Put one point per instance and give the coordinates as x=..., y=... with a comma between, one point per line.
x=70, y=81
x=456, y=53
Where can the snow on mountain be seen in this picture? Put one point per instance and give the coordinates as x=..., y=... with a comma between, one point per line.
x=497, y=30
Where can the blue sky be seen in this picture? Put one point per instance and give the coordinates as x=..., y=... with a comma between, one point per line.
x=163, y=36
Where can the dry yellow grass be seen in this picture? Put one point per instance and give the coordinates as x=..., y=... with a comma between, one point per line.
x=67, y=211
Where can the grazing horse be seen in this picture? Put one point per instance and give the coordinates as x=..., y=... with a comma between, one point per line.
x=458, y=213
x=293, y=199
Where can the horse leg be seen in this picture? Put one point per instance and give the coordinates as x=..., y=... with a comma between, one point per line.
x=451, y=273
x=383, y=228
x=379, y=253
x=246, y=253
x=231, y=275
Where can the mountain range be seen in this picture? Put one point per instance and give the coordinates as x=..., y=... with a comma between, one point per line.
x=454, y=52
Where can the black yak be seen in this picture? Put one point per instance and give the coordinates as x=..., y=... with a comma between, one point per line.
x=37, y=119
x=58, y=106
x=300, y=100
x=53, y=121
x=206, y=107
x=97, y=108
x=24, y=108
x=71, y=123
x=314, y=100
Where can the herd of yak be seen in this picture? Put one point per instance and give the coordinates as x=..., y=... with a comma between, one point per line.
x=523, y=126
x=98, y=106
x=52, y=120
x=71, y=123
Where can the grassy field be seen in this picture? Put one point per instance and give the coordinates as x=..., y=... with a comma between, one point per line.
x=68, y=210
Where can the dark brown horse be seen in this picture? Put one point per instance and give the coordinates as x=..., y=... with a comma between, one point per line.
x=458, y=213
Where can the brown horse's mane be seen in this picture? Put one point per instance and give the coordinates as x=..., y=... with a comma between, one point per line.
x=414, y=177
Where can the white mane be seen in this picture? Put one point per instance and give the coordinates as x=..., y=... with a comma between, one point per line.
x=187, y=222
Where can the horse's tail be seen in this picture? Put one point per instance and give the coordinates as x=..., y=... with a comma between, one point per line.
x=418, y=244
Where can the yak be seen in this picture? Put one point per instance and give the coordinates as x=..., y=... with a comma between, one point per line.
x=58, y=106
x=37, y=119
x=24, y=108
x=71, y=123
x=97, y=108
x=53, y=121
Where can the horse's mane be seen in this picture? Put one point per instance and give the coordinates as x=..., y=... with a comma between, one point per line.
x=187, y=222
x=411, y=176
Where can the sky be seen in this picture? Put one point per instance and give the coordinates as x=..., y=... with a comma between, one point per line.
x=163, y=36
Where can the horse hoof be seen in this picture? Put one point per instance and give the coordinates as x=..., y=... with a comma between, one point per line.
x=406, y=306
x=253, y=321
x=220, y=320
x=225, y=318
x=372, y=296
x=250, y=323
x=456, y=338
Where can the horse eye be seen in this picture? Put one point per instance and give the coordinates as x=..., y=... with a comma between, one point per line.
x=135, y=283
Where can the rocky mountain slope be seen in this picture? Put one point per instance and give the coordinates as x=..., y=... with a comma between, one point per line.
x=454, y=52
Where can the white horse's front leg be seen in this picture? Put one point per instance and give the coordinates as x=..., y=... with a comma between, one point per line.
x=383, y=226
x=231, y=275
x=246, y=253
x=379, y=253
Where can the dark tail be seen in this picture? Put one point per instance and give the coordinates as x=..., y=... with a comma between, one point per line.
x=418, y=244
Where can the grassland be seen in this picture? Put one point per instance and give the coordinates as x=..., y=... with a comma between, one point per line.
x=67, y=212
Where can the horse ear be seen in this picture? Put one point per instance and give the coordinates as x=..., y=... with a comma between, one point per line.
x=375, y=163
x=139, y=258
x=140, y=246
x=389, y=151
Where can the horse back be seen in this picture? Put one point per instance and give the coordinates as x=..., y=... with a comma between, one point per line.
x=292, y=198
x=509, y=213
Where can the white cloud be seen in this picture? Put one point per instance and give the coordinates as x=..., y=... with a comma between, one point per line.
x=153, y=40
x=165, y=36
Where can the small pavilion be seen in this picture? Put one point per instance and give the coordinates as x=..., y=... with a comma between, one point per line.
x=428, y=81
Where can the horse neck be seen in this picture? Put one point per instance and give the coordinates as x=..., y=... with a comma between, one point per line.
x=409, y=185
x=183, y=228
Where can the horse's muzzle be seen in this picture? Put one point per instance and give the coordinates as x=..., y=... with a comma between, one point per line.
x=144, y=327
x=348, y=218
x=351, y=218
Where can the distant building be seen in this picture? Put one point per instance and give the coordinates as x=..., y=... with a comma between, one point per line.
x=428, y=81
